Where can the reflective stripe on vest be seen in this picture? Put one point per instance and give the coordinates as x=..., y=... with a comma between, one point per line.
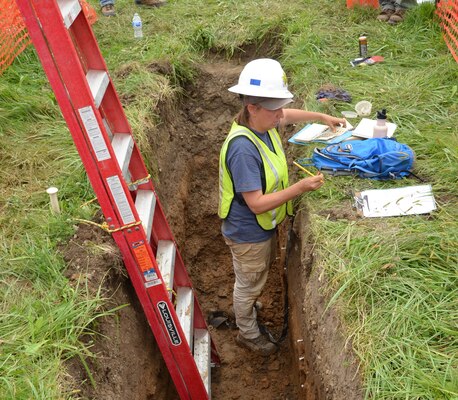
x=275, y=171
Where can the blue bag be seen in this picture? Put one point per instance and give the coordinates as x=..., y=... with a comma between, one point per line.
x=378, y=158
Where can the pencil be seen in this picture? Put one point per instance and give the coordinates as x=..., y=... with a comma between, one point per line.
x=302, y=168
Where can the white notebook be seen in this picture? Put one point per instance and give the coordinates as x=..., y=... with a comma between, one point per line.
x=320, y=132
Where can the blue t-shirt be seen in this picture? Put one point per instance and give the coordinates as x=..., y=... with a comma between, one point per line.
x=245, y=165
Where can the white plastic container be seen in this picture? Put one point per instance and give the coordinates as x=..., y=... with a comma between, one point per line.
x=363, y=108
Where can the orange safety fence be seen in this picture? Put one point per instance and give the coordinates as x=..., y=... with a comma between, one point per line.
x=13, y=32
x=368, y=3
x=447, y=10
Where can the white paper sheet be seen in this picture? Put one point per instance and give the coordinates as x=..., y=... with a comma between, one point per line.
x=395, y=202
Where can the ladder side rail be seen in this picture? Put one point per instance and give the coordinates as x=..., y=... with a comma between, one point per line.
x=200, y=323
x=161, y=227
x=181, y=274
x=138, y=170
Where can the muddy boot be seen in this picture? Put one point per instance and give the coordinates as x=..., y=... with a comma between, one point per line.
x=385, y=15
x=397, y=17
x=108, y=10
x=259, y=345
x=151, y=3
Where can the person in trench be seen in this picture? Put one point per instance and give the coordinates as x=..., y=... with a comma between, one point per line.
x=254, y=193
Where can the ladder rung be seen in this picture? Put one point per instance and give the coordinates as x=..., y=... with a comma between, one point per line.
x=166, y=261
x=123, y=145
x=98, y=82
x=145, y=204
x=202, y=354
x=185, y=311
x=69, y=10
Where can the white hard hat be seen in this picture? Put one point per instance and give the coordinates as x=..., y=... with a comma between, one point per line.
x=263, y=78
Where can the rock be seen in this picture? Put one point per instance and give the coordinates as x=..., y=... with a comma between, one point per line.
x=274, y=366
x=264, y=383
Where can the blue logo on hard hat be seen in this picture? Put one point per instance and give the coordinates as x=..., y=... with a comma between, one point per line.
x=255, y=82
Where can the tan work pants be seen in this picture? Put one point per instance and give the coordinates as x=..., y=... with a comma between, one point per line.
x=251, y=263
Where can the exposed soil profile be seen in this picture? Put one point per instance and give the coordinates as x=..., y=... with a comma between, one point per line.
x=312, y=363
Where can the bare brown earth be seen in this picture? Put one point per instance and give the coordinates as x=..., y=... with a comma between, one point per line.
x=312, y=363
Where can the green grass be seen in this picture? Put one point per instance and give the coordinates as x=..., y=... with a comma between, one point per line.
x=394, y=279
x=398, y=282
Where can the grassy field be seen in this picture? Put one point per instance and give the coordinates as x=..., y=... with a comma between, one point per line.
x=394, y=279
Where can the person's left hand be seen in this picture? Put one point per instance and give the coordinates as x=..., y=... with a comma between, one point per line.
x=334, y=122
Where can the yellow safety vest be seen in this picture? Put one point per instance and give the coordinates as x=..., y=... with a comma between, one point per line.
x=275, y=172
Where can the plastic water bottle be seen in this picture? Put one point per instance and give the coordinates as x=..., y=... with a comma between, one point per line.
x=137, y=25
x=380, y=128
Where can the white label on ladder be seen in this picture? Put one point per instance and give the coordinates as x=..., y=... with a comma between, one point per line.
x=95, y=134
x=120, y=199
x=150, y=275
x=153, y=283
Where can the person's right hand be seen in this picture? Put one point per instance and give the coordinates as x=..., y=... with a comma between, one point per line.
x=313, y=182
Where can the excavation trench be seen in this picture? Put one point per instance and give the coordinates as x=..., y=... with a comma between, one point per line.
x=312, y=363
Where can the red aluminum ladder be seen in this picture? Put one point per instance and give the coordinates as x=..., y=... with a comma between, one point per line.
x=72, y=61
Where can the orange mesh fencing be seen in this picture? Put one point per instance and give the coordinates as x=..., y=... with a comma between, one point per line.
x=368, y=3
x=13, y=32
x=91, y=15
x=447, y=10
